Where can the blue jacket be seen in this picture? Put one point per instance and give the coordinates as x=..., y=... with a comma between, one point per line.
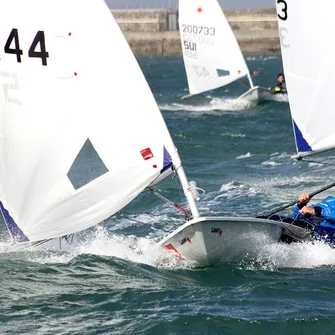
x=324, y=209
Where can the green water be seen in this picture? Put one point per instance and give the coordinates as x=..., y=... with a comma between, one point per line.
x=115, y=281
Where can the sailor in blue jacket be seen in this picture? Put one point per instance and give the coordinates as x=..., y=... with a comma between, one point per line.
x=322, y=216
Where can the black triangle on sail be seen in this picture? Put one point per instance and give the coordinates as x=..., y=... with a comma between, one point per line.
x=87, y=166
x=222, y=73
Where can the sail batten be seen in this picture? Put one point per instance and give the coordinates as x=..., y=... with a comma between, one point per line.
x=76, y=149
x=308, y=55
x=211, y=53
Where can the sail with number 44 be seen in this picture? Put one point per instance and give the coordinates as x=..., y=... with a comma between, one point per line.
x=308, y=50
x=211, y=53
x=74, y=147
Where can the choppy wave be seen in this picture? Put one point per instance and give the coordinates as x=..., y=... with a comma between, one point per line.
x=247, y=155
x=116, y=281
x=261, y=58
x=232, y=135
x=215, y=105
x=100, y=243
x=295, y=255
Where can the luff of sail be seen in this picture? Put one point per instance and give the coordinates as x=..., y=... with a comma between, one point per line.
x=81, y=134
x=211, y=53
x=308, y=51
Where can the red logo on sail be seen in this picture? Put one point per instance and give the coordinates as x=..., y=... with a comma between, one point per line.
x=147, y=154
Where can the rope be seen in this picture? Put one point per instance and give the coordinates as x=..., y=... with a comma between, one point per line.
x=242, y=83
x=179, y=190
x=188, y=215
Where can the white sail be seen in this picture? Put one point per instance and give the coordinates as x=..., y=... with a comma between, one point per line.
x=308, y=49
x=211, y=53
x=80, y=132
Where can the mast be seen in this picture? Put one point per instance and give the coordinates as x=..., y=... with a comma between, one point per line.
x=248, y=71
x=250, y=80
x=185, y=184
x=188, y=192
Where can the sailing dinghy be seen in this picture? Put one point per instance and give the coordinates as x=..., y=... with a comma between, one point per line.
x=211, y=54
x=67, y=161
x=309, y=81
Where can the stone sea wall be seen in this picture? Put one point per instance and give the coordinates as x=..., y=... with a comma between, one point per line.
x=154, y=33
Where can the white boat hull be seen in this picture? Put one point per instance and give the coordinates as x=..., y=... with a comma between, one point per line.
x=213, y=240
x=258, y=95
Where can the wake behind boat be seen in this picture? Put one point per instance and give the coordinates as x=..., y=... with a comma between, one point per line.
x=211, y=54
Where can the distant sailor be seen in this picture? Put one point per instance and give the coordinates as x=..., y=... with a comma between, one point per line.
x=281, y=85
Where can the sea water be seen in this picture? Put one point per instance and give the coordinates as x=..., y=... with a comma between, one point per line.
x=116, y=280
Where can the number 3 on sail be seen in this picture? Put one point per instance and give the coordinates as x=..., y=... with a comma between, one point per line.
x=284, y=10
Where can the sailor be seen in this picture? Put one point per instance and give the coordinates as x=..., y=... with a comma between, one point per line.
x=320, y=215
x=281, y=85
x=324, y=209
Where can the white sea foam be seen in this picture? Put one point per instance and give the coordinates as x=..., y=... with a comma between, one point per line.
x=294, y=255
x=235, y=190
x=131, y=248
x=247, y=155
x=216, y=104
x=102, y=243
x=271, y=163
x=232, y=135
x=261, y=253
x=265, y=255
x=260, y=58
x=279, y=98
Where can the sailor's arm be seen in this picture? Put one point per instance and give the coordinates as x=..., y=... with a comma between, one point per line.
x=301, y=206
x=303, y=199
x=315, y=210
x=307, y=210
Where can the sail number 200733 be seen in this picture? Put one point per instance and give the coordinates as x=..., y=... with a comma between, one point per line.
x=198, y=30
x=36, y=50
x=283, y=15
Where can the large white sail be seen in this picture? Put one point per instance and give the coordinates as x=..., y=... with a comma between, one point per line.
x=211, y=53
x=308, y=49
x=80, y=132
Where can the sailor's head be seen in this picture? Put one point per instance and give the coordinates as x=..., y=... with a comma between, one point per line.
x=280, y=78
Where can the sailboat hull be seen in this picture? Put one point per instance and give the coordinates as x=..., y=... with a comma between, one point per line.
x=258, y=95
x=212, y=240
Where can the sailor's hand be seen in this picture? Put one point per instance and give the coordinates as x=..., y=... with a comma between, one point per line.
x=303, y=198
x=307, y=210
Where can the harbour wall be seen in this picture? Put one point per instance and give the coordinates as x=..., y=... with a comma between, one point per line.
x=154, y=33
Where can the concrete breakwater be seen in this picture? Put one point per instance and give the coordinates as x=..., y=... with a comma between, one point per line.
x=154, y=33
